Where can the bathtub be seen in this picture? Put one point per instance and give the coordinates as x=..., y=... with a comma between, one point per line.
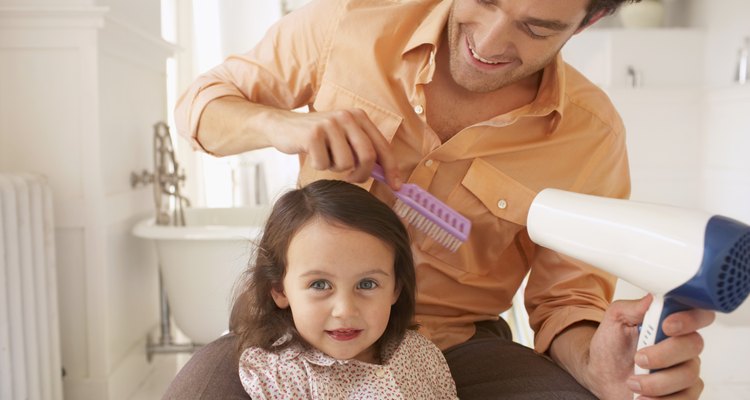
x=201, y=262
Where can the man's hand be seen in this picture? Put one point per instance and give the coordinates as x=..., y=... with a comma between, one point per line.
x=612, y=354
x=340, y=141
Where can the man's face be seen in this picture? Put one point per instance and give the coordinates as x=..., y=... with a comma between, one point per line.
x=494, y=43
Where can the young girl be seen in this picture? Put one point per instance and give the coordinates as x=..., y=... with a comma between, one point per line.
x=326, y=311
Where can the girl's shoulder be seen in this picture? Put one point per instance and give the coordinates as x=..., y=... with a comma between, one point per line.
x=416, y=341
x=266, y=373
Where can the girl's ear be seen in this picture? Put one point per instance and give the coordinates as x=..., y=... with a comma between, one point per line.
x=279, y=297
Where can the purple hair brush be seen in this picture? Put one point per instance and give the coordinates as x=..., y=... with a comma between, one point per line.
x=428, y=214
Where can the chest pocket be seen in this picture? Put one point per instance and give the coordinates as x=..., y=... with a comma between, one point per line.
x=332, y=97
x=498, y=206
x=503, y=196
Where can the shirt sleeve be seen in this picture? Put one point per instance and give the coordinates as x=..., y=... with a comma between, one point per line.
x=282, y=71
x=562, y=291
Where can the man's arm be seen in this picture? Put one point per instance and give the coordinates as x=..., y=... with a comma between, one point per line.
x=602, y=357
x=340, y=141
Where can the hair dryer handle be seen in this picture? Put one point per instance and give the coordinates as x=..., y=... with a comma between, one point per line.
x=651, y=330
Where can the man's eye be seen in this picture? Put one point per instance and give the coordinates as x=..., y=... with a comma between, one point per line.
x=537, y=32
x=320, y=285
x=367, y=284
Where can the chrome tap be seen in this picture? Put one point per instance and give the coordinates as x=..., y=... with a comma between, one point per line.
x=167, y=179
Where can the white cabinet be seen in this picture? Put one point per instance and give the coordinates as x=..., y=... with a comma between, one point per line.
x=726, y=152
x=663, y=114
x=659, y=58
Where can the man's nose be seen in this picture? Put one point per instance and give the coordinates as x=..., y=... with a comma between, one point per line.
x=493, y=37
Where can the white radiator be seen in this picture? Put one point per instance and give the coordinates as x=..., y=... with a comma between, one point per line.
x=30, y=366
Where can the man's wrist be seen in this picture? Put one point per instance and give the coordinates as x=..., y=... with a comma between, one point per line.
x=571, y=350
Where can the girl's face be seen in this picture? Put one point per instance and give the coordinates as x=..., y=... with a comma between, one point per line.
x=340, y=284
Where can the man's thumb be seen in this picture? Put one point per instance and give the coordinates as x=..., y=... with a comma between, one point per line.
x=631, y=312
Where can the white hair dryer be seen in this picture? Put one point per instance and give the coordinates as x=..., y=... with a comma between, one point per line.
x=685, y=258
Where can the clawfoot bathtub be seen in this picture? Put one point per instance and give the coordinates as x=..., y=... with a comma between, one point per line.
x=201, y=262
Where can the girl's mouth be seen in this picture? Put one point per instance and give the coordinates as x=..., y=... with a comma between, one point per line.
x=344, y=334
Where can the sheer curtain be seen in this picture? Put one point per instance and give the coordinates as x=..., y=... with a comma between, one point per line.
x=207, y=32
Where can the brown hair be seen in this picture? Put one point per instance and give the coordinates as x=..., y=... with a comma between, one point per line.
x=608, y=6
x=257, y=320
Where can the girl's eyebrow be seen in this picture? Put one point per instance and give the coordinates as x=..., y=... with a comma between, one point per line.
x=551, y=24
x=315, y=272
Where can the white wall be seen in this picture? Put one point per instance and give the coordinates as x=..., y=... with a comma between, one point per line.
x=81, y=84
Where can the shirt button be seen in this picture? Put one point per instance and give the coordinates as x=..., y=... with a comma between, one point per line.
x=502, y=204
x=380, y=372
x=428, y=163
x=418, y=109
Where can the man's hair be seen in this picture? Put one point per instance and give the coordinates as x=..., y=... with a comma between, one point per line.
x=257, y=320
x=607, y=6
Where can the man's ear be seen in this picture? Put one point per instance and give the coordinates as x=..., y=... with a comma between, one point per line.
x=279, y=297
x=594, y=18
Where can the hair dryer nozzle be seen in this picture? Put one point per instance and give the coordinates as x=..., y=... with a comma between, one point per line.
x=722, y=282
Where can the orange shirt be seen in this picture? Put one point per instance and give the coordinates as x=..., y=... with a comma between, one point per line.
x=377, y=56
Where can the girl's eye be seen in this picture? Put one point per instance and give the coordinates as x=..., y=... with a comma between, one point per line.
x=367, y=284
x=320, y=285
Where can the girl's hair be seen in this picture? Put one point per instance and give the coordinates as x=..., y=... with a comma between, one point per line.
x=257, y=320
x=608, y=6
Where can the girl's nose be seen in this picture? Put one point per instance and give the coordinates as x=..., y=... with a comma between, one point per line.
x=344, y=306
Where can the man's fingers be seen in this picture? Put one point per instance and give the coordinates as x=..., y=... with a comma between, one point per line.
x=676, y=381
x=340, y=150
x=671, y=351
x=684, y=322
x=383, y=152
x=360, y=144
x=317, y=149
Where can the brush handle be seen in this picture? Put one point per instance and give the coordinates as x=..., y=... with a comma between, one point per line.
x=651, y=330
x=378, y=173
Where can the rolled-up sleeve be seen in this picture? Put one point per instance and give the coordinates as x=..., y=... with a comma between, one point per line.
x=562, y=291
x=282, y=70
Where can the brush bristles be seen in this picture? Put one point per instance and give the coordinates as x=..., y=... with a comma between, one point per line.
x=431, y=229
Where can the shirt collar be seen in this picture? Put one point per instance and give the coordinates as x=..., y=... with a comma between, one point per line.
x=431, y=27
x=550, y=98
x=549, y=101
x=317, y=357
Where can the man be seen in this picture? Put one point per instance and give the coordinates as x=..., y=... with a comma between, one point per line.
x=470, y=100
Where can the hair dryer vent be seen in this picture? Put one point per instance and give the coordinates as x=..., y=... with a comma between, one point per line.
x=734, y=279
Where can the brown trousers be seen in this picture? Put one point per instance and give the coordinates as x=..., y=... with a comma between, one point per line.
x=488, y=366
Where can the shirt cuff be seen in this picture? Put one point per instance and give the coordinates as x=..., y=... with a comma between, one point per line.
x=559, y=321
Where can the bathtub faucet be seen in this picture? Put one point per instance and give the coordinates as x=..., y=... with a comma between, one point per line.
x=167, y=179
